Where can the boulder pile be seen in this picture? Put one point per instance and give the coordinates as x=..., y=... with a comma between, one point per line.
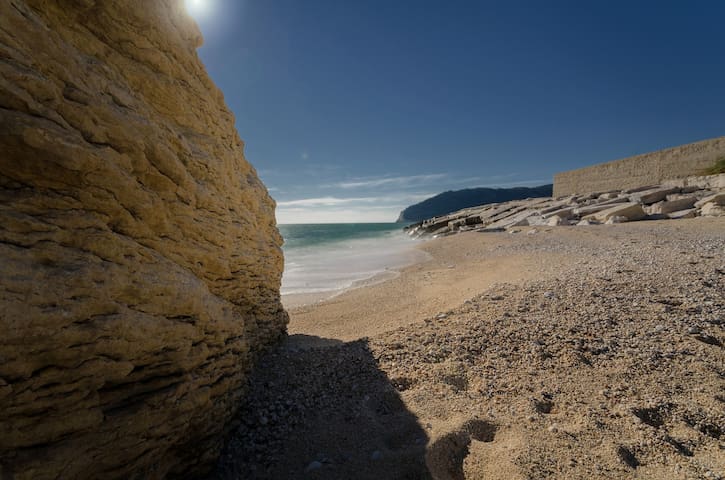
x=682, y=198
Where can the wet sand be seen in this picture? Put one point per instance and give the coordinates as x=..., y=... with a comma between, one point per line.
x=456, y=268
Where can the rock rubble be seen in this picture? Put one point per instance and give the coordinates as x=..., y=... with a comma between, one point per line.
x=684, y=198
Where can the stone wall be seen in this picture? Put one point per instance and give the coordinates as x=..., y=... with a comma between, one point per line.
x=647, y=169
x=140, y=263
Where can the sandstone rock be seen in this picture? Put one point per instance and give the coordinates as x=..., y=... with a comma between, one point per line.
x=561, y=213
x=612, y=201
x=609, y=195
x=673, y=205
x=518, y=219
x=583, y=211
x=689, y=213
x=716, y=181
x=505, y=212
x=437, y=223
x=677, y=196
x=632, y=211
x=653, y=195
x=712, y=209
x=616, y=219
x=554, y=206
x=140, y=259
x=498, y=210
x=466, y=221
x=536, y=221
x=453, y=224
x=640, y=188
x=556, y=220
x=717, y=199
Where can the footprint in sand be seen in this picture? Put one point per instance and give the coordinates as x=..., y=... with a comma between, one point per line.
x=477, y=449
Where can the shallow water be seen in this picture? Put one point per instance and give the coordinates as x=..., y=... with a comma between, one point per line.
x=330, y=257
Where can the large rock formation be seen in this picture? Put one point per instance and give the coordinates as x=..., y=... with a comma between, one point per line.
x=139, y=259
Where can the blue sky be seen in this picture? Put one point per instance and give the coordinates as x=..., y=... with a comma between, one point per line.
x=352, y=110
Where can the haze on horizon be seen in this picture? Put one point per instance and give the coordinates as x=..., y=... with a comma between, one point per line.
x=351, y=111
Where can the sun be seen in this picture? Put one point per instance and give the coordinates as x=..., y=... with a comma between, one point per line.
x=197, y=8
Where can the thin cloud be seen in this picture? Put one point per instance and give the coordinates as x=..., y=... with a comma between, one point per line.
x=383, y=208
x=394, y=200
x=522, y=183
x=320, y=202
x=336, y=215
x=398, y=181
x=441, y=179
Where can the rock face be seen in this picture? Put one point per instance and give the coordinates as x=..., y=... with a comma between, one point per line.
x=140, y=263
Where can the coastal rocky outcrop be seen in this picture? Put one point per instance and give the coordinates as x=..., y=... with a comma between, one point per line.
x=446, y=202
x=681, y=198
x=140, y=263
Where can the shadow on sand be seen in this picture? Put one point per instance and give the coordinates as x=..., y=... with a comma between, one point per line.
x=322, y=409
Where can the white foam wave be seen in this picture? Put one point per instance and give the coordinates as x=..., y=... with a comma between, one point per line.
x=339, y=265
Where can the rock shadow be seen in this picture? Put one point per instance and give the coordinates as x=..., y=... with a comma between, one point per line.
x=319, y=408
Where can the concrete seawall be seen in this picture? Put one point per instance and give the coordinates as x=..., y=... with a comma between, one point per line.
x=646, y=169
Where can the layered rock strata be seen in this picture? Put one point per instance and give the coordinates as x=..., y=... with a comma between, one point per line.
x=140, y=263
x=683, y=198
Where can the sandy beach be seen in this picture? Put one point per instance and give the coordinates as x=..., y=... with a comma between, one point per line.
x=454, y=269
x=554, y=352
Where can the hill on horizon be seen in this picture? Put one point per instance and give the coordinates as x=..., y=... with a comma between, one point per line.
x=453, y=200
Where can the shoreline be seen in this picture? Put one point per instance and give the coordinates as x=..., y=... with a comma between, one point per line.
x=292, y=301
x=565, y=353
x=455, y=269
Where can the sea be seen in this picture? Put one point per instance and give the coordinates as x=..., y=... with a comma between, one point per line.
x=334, y=257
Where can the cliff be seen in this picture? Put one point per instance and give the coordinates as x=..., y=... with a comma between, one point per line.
x=447, y=202
x=140, y=259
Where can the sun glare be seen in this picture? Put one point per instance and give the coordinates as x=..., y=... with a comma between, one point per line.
x=197, y=8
